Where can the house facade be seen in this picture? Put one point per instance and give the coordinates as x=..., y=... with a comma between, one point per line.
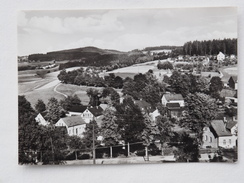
x=172, y=98
x=174, y=109
x=154, y=114
x=92, y=113
x=220, y=56
x=75, y=125
x=41, y=120
x=218, y=135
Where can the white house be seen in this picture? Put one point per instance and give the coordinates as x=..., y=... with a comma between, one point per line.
x=75, y=125
x=41, y=120
x=218, y=135
x=92, y=113
x=154, y=114
x=220, y=56
x=172, y=98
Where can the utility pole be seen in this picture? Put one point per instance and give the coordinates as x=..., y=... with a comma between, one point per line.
x=128, y=149
x=93, y=145
x=146, y=151
x=111, y=152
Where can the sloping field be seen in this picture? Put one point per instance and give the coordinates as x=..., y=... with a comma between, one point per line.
x=43, y=94
x=233, y=71
x=131, y=71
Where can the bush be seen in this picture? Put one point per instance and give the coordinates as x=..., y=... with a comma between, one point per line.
x=165, y=65
x=140, y=152
x=84, y=156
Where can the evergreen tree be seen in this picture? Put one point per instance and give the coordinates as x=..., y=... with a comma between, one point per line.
x=54, y=111
x=40, y=106
x=109, y=128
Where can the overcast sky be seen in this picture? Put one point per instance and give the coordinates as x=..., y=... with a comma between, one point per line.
x=124, y=30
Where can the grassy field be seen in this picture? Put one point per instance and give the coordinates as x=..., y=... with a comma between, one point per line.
x=43, y=94
x=80, y=91
x=131, y=71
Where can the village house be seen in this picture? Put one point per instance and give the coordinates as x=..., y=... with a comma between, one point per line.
x=220, y=134
x=154, y=114
x=144, y=106
x=220, y=57
x=41, y=120
x=180, y=57
x=174, y=109
x=92, y=113
x=232, y=82
x=172, y=98
x=75, y=125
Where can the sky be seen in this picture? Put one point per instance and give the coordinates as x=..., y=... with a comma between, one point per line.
x=124, y=30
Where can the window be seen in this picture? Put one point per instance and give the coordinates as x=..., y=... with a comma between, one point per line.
x=76, y=131
x=224, y=142
x=229, y=141
x=210, y=140
x=206, y=138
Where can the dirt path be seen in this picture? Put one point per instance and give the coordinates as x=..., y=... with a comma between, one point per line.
x=55, y=90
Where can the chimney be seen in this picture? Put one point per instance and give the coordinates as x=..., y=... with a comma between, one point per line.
x=225, y=121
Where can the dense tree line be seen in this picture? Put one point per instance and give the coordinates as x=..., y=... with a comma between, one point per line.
x=165, y=65
x=211, y=47
x=39, y=143
x=144, y=86
x=90, y=77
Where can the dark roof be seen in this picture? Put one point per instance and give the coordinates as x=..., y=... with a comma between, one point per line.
x=219, y=128
x=96, y=111
x=170, y=96
x=230, y=124
x=73, y=121
x=77, y=108
x=173, y=105
x=234, y=78
x=142, y=103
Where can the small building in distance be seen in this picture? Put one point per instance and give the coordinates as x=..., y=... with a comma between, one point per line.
x=173, y=98
x=75, y=125
x=154, y=114
x=233, y=82
x=220, y=57
x=41, y=120
x=144, y=106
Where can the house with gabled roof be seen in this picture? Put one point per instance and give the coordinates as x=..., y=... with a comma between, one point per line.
x=219, y=135
x=174, y=109
x=144, y=106
x=173, y=98
x=76, y=110
x=220, y=57
x=154, y=114
x=92, y=113
x=232, y=82
x=40, y=119
x=75, y=125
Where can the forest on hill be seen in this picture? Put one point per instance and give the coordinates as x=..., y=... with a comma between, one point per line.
x=210, y=47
